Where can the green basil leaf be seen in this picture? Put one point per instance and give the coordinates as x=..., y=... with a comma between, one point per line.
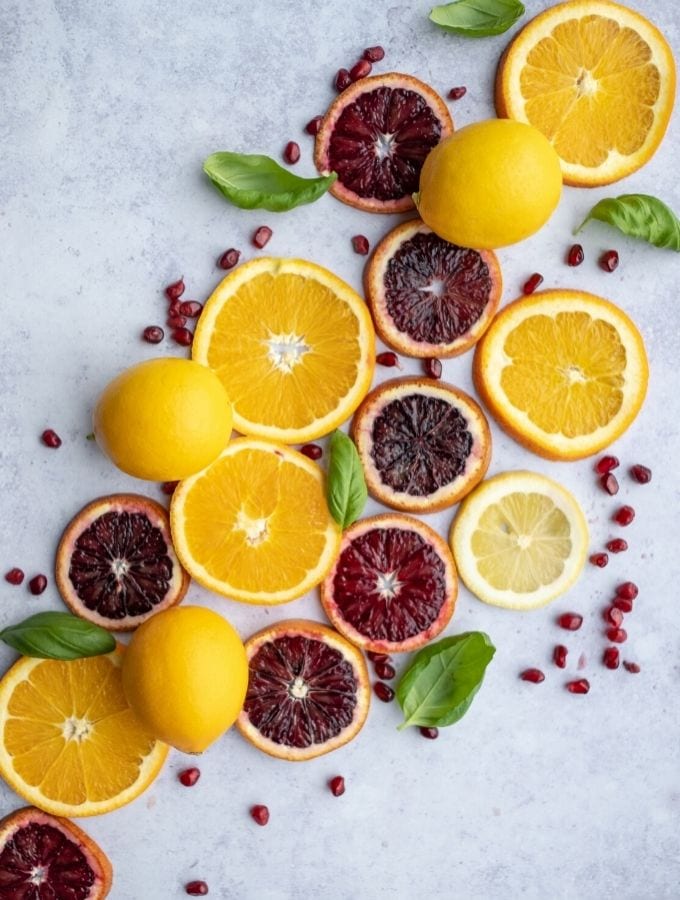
x=258, y=182
x=477, y=18
x=58, y=635
x=346, y=485
x=640, y=216
x=443, y=678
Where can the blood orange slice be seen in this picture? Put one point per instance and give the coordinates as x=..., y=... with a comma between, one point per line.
x=423, y=444
x=393, y=587
x=116, y=565
x=429, y=297
x=308, y=691
x=376, y=136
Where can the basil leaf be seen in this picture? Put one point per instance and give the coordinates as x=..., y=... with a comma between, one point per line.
x=640, y=216
x=346, y=486
x=258, y=182
x=477, y=18
x=58, y=635
x=441, y=682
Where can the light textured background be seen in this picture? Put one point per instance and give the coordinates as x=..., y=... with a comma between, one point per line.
x=106, y=113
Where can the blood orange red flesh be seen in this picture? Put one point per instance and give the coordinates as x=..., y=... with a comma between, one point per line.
x=393, y=587
x=376, y=136
x=116, y=565
x=308, y=690
x=429, y=297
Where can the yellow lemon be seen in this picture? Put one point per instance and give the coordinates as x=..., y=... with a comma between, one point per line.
x=490, y=184
x=185, y=675
x=163, y=419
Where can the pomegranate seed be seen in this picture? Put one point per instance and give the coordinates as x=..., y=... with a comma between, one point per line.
x=432, y=367
x=560, y=656
x=609, y=260
x=624, y=516
x=262, y=236
x=291, y=153
x=374, y=54
x=610, y=484
x=599, y=559
x=610, y=657
x=383, y=691
x=173, y=309
x=575, y=256
x=189, y=777
x=360, y=70
x=617, y=635
x=388, y=359
x=457, y=92
x=606, y=464
x=580, y=686
x=182, y=336
x=260, y=814
x=385, y=670
x=430, y=733
x=618, y=545
x=312, y=127
x=312, y=451
x=37, y=584
x=613, y=616
x=192, y=309
x=51, y=439
x=582, y=660
x=628, y=590
x=378, y=657
x=532, y=283
x=176, y=321
x=229, y=258
x=625, y=604
x=196, y=888
x=175, y=290
x=631, y=667
x=168, y=487
x=641, y=474
x=153, y=334
x=342, y=80
x=14, y=576
x=360, y=244
x=337, y=786
x=535, y=676
x=570, y=621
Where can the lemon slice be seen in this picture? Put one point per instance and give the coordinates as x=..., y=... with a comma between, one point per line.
x=519, y=540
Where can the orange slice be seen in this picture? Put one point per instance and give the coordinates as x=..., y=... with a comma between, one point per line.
x=564, y=372
x=292, y=344
x=598, y=80
x=69, y=742
x=255, y=525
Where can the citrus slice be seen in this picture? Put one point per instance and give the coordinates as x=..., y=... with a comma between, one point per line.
x=292, y=344
x=429, y=297
x=69, y=742
x=598, y=80
x=376, y=136
x=423, y=443
x=519, y=540
x=255, y=525
x=564, y=372
x=393, y=587
x=308, y=690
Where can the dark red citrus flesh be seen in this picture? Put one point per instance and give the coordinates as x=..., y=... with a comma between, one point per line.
x=390, y=584
x=435, y=291
x=380, y=141
x=301, y=691
x=420, y=444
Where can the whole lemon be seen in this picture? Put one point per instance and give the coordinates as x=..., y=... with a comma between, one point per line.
x=490, y=184
x=163, y=419
x=185, y=675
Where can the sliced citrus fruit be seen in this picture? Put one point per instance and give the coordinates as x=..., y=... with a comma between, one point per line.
x=69, y=742
x=292, y=344
x=308, y=690
x=116, y=565
x=393, y=587
x=564, y=372
x=429, y=297
x=598, y=80
x=44, y=857
x=255, y=524
x=423, y=443
x=376, y=136
x=519, y=540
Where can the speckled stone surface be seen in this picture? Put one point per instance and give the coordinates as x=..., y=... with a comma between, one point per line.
x=106, y=113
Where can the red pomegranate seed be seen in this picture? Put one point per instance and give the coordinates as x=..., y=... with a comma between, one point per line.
x=262, y=236
x=385, y=670
x=631, y=667
x=613, y=616
x=51, y=439
x=374, y=54
x=360, y=244
x=432, y=367
x=628, y=590
x=617, y=545
x=560, y=656
x=383, y=691
x=14, y=576
x=606, y=464
x=37, y=584
x=260, y=814
x=617, y=635
x=337, y=786
x=625, y=604
x=360, y=70
x=196, y=888
x=168, y=487
x=570, y=621
x=388, y=359
x=532, y=283
x=189, y=777
x=599, y=559
x=176, y=321
x=191, y=309
x=535, y=676
x=624, y=516
x=342, y=80
x=291, y=152
x=173, y=309
x=430, y=733
x=378, y=657
x=580, y=686
x=229, y=258
x=457, y=92
x=182, y=336
x=175, y=290
x=312, y=127
x=313, y=451
x=610, y=484
x=575, y=255
x=609, y=260
x=153, y=334
x=610, y=658
x=641, y=474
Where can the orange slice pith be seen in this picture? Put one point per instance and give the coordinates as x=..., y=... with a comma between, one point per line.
x=69, y=742
x=598, y=80
x=293, y=345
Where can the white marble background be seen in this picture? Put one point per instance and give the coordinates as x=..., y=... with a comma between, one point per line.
x=107, y=110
